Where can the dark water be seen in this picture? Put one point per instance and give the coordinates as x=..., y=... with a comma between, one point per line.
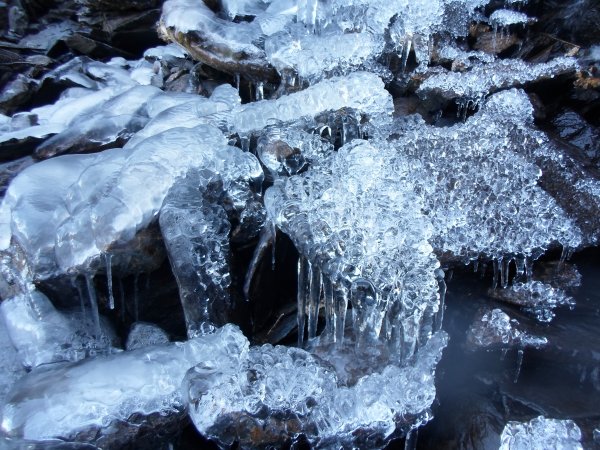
x=477, y=392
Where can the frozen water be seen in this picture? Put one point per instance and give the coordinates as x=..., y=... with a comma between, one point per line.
x=481, y=192
x=313, y=57
x=539, y=299
x=10, y=363
x=144, y=335
x=362, y=91
x=43, y=335
x=189, y=114
x=95, y=398
x=375, y=255
x=277, y=392
x=484, y=79
x=88, y=204
x=541, y=433
x=495, y=328
x=506, y=17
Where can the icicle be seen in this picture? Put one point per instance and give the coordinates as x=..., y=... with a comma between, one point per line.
x=303, y=274
x=495, y=269
x=519, y=364
x=341, y=307
x=406, y=52
x=265, y=239
x=274, y=244
x=259, y=92
x=136, y=296
x=410, y=443
x=329, y=309
x=528, y=268
x=313, y=301
x=564, y=255
x=504, y=264
x=440, y=275
x=475, y=266
x=237, y=82
x=111, y=297
x=245, y=142
x=520, y=264
x=93, y=302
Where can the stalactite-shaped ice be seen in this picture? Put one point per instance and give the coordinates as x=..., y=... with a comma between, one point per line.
x=367, y=236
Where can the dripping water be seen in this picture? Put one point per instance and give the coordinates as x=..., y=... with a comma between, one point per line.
x=122, y=299
x=136, y=296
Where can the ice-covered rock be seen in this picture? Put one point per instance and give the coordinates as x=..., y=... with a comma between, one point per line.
x=111, y=400
x=541, y=433
x=278, y=392
x=535, y=297
x=99, y=202
x=43, y=335
x=190, y=114
x=144, y=334
x=361, y=91
x=495, y=328
x=484, y=79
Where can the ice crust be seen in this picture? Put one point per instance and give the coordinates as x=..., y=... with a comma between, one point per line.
x=43, y=335
x=483, y=79
x=541, y=433
x=86, y=397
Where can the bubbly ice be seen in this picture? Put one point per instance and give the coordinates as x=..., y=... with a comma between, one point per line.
x=360, y=90
x=43, y=335
x=93, y=399
x=484, y=79
x=538, y=298
x=506, y=17
x=277, y=392
x=541, y=433
x=495, y=328
x=145, y=335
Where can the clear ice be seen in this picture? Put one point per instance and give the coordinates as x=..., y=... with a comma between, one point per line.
x=541, y=433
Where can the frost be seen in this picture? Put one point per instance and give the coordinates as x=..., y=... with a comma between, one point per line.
x=541, y=433
x=145, y=335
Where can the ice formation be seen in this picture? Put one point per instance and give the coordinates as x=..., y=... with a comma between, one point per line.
x=145, y=335
x=277, y=392
x=105, y=206
x=538, y=298
x=495, y=328
x=481, y=80
x=541, y=433
x=196, y=230
x=83, y=400
x=362, y=91
x=43, y=335
x=507, y=17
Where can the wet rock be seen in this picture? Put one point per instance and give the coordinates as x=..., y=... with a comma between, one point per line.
x=16, y=93
x=10, y=170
